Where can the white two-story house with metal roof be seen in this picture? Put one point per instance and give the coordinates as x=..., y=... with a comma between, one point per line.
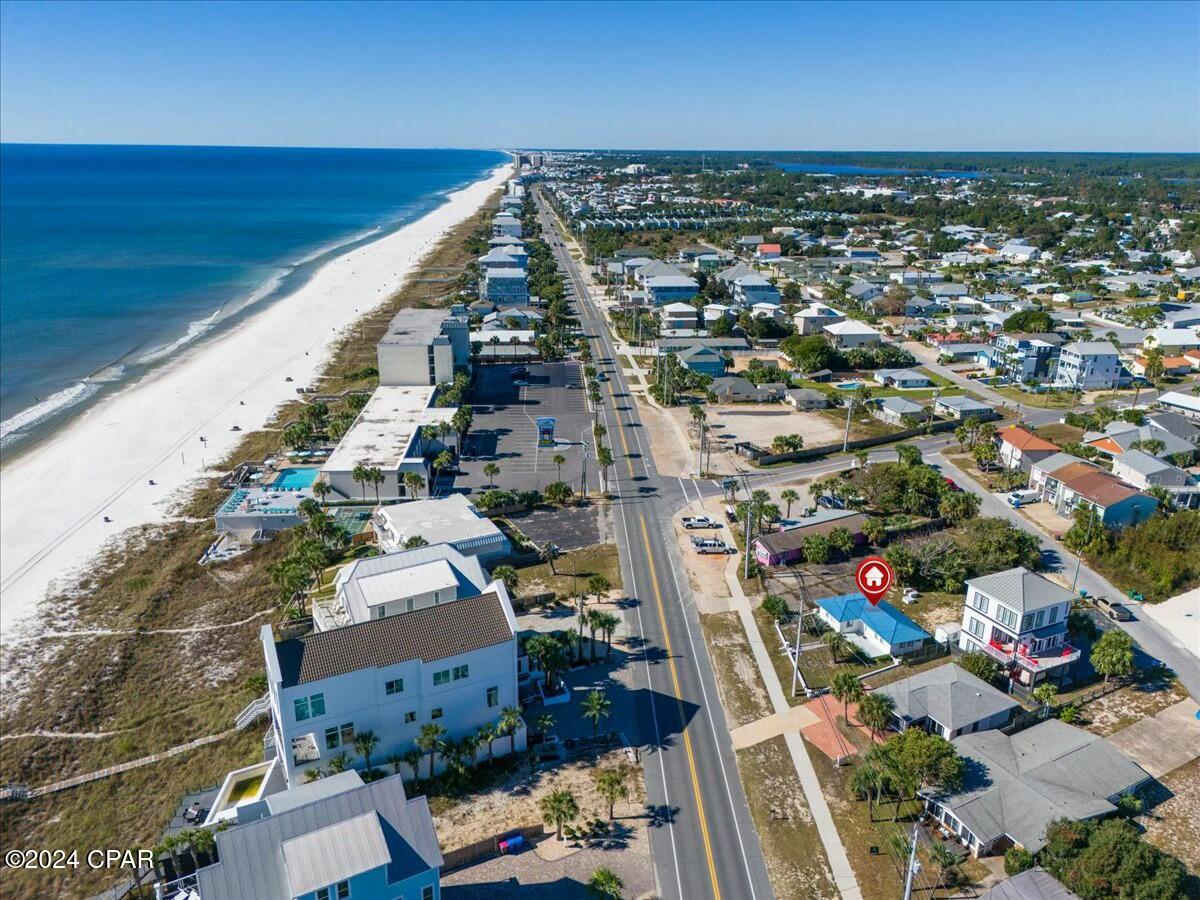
x=1020, y=619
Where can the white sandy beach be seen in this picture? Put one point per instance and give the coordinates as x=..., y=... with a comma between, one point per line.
x=53, y=500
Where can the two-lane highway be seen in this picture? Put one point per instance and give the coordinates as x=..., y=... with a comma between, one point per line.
x=705, y=844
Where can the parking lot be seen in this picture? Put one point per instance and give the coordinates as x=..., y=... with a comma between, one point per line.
x=504, y=431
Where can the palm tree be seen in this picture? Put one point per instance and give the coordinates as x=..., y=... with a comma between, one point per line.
x=508, y=575
x=847, y=688
x=837, y=644
x=589, y=619
x=789, y=497
x=611, y=785
x=412, y=759
x=170, y=845
x=339, y=762
x=442, y=461
x=203, y=844
x=945, y=859
x=875, y=711
x=606, y=624
x=322, y=489
x=1044, y=694
x=491, y=470
x=596, y=706
x=359, y=474
x=558, y=461
x=604, y=459
x=510, y=721
x=414, y=482
x=544, y=723
x=598, y=585
x=365, y=743
x=605, y=884
x=395, y=760
x=375, y=476
x=487, y=734
x=559, y=807
x=430, y=739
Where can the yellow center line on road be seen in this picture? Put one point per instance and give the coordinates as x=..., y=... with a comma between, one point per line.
x=687, y=740
x=621, y=429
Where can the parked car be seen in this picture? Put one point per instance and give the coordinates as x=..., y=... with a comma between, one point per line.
x=1017, y=499
x=518, y=371
x=950, y=483
x=700, y=522
x=709, y=545
x=1115, y=610
x=520, y=382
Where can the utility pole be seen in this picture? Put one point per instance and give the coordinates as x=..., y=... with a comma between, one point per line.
x=913, y=865
x=583, y=465
x=749, y=516
x=849, y=410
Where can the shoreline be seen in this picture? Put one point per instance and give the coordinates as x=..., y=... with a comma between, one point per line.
x=51, y=522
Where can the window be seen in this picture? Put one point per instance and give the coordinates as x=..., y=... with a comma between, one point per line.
x=979, y=601
x=974, y=626
x=1006, y=616
x=309, y=707
x=340, y=891
x=427, y=892
x=339, y=737
x=436, y=713
x=493, y=696
x=460, y=672
x=442, y=677
x=395, y=686
x=380, y=612
x=1053, y=614
x=409, y=718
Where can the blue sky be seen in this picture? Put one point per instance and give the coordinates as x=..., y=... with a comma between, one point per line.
x=908, y=76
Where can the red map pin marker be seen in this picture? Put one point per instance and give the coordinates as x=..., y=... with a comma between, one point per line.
x=874, y=578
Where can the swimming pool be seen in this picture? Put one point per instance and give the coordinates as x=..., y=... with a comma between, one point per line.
x=294, y=479
x=848, y=385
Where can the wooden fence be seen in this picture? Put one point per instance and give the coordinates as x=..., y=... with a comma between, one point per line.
x=490, y=846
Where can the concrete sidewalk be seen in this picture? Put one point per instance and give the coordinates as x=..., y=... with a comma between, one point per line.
x=839, y=863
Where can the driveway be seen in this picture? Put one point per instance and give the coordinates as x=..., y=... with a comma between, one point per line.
x=1162, y=743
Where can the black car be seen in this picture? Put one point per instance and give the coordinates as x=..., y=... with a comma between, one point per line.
x=518, y=371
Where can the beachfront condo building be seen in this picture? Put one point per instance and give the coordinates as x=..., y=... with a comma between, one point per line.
x=451, y=664
x=423, y=346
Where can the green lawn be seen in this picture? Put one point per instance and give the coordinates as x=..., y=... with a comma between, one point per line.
x=572, y=570
x=1048, y=400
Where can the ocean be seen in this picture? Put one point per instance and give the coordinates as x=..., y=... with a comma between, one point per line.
x=113, y=258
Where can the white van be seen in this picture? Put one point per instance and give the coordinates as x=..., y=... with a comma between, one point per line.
x=1017, y=499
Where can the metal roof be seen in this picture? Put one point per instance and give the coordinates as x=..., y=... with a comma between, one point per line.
x=1021, y=590
x=334, y=853
x=892, y=626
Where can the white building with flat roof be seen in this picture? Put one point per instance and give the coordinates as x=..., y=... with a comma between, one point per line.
x=453, y=520
x=423, y=346
x=386, y=435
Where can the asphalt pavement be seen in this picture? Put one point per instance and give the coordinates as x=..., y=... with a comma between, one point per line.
x=706, y=845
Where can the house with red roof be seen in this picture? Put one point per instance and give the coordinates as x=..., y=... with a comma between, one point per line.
x=768, y=251
x=1020, y=448
x=1067, y=482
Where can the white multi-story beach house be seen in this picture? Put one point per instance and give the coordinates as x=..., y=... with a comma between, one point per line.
x=1020, y=619
x=1088, y=366
x=751, y=289
x=453, y=664
x=664, y=289
x=332, y=839
x=850, y=334
x=815, y=317
x=452, y=520
x=506, y=286
x=375, y=587
x=506, y=225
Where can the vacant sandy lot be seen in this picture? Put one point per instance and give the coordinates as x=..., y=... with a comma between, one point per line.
x=761, y=423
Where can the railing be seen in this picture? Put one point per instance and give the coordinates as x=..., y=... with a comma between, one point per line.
x=254, y=711
x=999, y=651
x=1049, y=660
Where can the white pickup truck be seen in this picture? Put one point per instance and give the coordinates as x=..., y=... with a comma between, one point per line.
x=699, y=522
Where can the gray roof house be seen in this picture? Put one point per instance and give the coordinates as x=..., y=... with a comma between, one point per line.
x=806, y=398
x=960, y=406
x=1032, y=884
x=894, y=409
x=736, y=389
x=320, y=836
x=1016, y=785
x=949, y=701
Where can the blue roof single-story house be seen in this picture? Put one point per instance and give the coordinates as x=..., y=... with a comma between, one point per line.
x=876, y=630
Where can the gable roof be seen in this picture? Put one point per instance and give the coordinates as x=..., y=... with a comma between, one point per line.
x=884, y=619
x=261, y=859
x=1021, y=590
x=962, y=402
x=1025, y=440
x=1019, y=784
x=429, y=634
x=1094, y=484
x=949, y=694
x=1032, y=884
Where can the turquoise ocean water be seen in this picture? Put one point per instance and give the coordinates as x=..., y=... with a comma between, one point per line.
x=114, y=258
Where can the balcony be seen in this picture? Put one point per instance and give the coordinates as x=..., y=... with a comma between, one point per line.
x=1002, y=652
x=1048, y=658
x=304, y=749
